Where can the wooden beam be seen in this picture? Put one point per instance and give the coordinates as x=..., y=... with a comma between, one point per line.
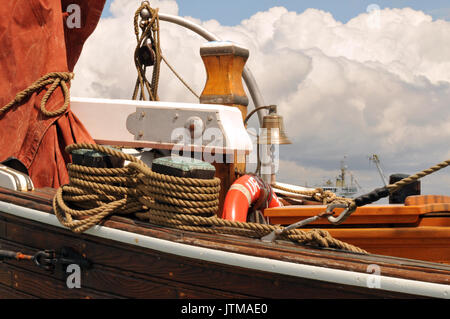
x=224, y=62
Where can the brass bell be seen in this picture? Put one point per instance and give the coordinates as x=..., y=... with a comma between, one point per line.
x=272, y=130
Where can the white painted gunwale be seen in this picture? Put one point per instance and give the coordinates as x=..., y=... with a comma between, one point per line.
x=337, y=276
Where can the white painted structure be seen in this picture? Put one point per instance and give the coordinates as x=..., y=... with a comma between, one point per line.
x=164, y=125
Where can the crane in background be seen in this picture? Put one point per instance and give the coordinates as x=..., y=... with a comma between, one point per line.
x=374, y=158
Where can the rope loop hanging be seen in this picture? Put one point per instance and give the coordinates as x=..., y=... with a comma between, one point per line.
x=55, y=80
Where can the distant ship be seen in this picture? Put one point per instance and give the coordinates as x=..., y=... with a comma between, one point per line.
x=340, y=186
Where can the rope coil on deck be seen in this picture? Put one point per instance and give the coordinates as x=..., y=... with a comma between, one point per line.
x=184, y=203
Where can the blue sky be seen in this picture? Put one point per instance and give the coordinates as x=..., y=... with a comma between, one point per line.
x=384, y=79
x=232, y=12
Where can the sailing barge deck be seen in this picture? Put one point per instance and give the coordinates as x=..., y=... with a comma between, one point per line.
x=131, y=259
x=123, y=257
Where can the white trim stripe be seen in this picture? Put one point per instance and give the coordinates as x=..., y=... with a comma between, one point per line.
x=413, y=287
x=243, y=190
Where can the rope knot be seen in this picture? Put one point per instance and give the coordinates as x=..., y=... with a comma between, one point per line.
x=54, y=79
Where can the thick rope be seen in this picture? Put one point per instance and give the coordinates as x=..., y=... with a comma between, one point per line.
x=150, y=31
x=413, y=178
x=373, y=196
x=183, y=203
x=54, y=79
x=318, y=194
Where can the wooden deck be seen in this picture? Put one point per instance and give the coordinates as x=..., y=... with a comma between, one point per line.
x=128, y=271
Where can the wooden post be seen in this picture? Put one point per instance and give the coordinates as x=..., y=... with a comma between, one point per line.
x=224, y=62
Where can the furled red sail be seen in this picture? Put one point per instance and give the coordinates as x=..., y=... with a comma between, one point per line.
x=38, y=37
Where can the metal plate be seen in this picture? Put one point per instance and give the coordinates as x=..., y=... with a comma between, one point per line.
x=173, y=126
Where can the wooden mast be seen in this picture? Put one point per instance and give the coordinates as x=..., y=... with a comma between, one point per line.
x=224, y=62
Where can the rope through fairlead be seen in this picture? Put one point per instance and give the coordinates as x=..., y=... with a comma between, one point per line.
x=379, y=193
x=349, y=205
x=183, y=203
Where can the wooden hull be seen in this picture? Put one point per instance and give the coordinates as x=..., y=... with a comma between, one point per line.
x=157, y=262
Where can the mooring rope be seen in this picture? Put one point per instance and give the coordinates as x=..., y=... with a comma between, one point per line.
x=391, y=188
x=415, y=177
x=375, y=195
x=183, y=203
x=318, y=194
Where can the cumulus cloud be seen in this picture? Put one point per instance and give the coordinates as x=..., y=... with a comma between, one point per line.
x=378, y=84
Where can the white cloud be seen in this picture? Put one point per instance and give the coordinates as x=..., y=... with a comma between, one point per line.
x=344, y=89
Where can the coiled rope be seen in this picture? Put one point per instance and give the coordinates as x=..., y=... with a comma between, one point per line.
x=183, y=203
x=54, y=79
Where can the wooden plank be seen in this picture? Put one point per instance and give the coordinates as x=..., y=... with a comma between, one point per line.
x=198, y=274
x=323, y=258
x=33, y=283
x=158, y=265
x=255, y=247
x=366, y=215
x=424, y=243
x=117, y=273
x=5, y=275
x=29, y=200
x=10, y=293
x=165, y=233
x=435, y=207
x=426, y=199
x=235, y=280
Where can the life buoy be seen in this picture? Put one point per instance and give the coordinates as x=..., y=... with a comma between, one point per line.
x=245, y=191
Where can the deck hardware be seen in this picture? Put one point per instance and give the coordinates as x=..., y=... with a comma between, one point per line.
x=339, y=219
x=49, y=259
x=277, y=232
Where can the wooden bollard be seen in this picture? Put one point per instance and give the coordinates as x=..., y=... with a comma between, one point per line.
x=224, y=62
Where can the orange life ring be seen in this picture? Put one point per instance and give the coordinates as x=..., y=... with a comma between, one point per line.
x=244, y=192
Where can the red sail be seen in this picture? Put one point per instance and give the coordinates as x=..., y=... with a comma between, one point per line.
x=38, y=37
